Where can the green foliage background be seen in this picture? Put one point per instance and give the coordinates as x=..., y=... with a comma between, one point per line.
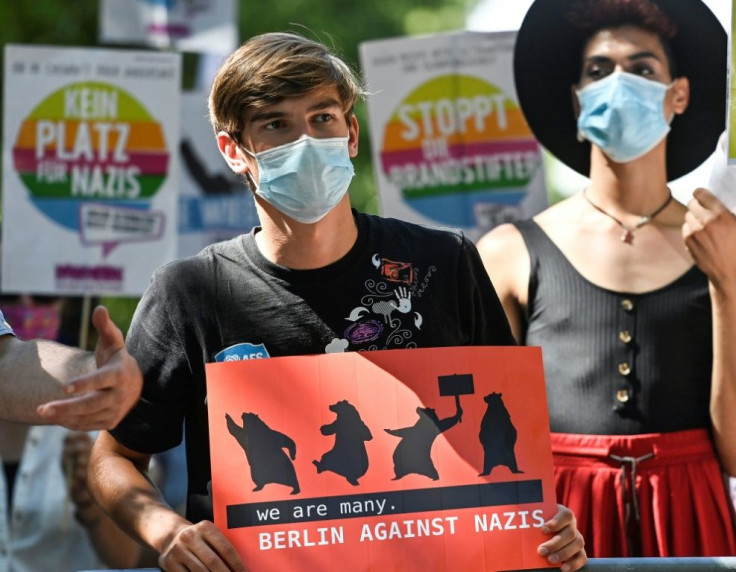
x=342, y=24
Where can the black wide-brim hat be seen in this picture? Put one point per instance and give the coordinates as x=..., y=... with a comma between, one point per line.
x=547, y=60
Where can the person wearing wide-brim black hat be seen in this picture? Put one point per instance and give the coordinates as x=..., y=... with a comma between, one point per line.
x=640, y=360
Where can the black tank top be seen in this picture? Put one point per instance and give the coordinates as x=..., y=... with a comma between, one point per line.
x=618, y=363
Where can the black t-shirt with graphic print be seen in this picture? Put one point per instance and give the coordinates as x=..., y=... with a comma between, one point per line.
x=401, y=285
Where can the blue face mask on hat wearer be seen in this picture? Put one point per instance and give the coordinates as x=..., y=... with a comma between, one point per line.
x=623, y=114
x=304, y=179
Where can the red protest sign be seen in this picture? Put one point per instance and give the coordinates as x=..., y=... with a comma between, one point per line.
x=419, y=459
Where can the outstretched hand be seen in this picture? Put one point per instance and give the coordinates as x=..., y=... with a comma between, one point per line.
x=102, y=397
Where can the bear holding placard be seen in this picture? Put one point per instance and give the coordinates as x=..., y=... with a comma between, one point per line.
x=413, y=453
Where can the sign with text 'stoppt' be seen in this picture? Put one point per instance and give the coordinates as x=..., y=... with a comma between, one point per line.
x=418, y=459
x=90, y=162
x=450, y=144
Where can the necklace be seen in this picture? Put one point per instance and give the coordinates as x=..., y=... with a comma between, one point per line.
x=628, y=234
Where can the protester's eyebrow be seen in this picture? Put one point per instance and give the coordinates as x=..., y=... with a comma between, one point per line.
x=266, y=115
x=271, y=114
x=325, y=104
x=645, y=54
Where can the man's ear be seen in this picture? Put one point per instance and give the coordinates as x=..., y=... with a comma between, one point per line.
x=231, y=152
x=353, y=131
x=680, y=97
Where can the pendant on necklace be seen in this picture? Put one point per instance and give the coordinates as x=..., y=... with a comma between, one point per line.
x=627, y=237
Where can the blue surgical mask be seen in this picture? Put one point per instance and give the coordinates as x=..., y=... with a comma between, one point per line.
x=623, y=114
x=305, y=179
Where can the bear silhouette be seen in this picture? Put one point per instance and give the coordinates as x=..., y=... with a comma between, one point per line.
x=264, y=450
x=498, y=436
x=413, y=453
x=348, y=457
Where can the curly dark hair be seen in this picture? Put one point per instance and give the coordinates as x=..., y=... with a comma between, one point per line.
x=587, y=17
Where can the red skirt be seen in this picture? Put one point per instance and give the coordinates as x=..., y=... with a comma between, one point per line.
x=680, y=506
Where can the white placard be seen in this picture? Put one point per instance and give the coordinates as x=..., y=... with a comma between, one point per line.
x=186, y=25
x=450, y=144
x=90, y=165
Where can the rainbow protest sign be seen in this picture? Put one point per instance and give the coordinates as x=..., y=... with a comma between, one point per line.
x=89, y=164
x=450, y=144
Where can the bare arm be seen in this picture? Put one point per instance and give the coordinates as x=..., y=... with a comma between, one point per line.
x=113, y=546
x=78, y=389
x=32, y=372
x=710, y=235
x=506, y=261
x=119, y=482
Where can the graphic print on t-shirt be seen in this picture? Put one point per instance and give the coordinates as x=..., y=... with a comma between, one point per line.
x=386, y=316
